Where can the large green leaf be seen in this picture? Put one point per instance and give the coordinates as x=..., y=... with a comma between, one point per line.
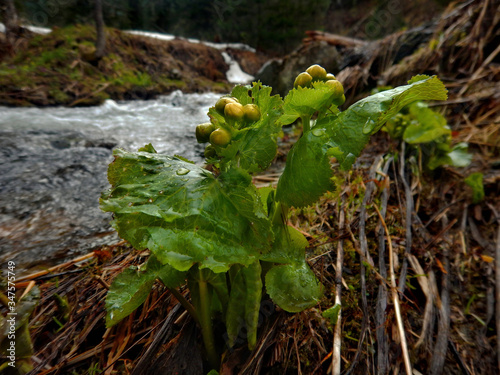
x=254, y=147
x=130, y=288
x=289, y=246
x=293, y=287
x=427, y=126
x=307, y=173
x=168, y=275
x=128, y=291
x=184, y=214
x=244, y=303
x=305, y=101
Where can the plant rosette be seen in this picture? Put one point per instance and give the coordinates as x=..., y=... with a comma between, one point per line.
x=217, y=232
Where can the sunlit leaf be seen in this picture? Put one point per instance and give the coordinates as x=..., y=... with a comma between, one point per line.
x=305, y=101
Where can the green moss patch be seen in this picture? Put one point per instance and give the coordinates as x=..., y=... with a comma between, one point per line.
x=60, y=68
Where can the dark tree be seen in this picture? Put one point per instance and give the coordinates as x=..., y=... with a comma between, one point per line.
x=10, y=20
x=100, y=44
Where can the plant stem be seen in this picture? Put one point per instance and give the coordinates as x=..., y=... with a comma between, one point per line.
x=280, y=215
x=306, y=123
x=4, y=300
x=190, y=309
x=205, y=320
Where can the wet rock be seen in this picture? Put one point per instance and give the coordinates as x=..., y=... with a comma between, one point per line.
x=50, y=183
x=281, y=73
x=341, y=57
x=250, y=62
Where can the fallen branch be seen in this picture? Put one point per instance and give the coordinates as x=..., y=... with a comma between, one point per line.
x=52, y=269
x=333, y=39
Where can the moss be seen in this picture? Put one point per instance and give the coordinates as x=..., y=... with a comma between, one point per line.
x=58, y=96
x=61, y=68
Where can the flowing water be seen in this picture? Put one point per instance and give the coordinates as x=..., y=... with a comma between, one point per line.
x=53, y=164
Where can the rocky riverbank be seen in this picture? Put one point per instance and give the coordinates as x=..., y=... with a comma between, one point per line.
x=59, y=68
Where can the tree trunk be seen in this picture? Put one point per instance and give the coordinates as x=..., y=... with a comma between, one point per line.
x=10, y=20
x=100, y=44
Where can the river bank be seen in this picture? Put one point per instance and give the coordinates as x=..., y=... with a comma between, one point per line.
x=53, y=164
x=59, y=68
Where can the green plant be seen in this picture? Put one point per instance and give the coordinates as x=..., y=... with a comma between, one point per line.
x=216, y=229
x=475, y=181
x=428, y=132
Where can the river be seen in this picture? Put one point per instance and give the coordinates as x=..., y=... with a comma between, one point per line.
x=53, y=164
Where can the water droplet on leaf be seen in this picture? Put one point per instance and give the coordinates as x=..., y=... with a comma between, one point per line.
x=369, y=126
x=182, y=171
x=318, y=132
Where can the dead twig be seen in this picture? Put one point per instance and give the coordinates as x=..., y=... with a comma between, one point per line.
x=364, y=253
x=380, y=312
x=395, y=298
x=497, y=280
x=52, y=269
x=429, y=288
x=408, y=220
x=441, y=346
x=161, y=337
x=337, y=335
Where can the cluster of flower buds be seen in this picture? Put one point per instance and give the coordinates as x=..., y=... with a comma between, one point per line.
x=236, y=116
x=317, y=73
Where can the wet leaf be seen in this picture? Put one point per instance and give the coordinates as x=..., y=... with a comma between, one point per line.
x=130, y=288
x=307, y=173
x=244, y=303
x=128, y=291
x=254, y=147
x=289, y=246
x=185, y=215
x=427, y=126
x=293, y=287
x=332, y=313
